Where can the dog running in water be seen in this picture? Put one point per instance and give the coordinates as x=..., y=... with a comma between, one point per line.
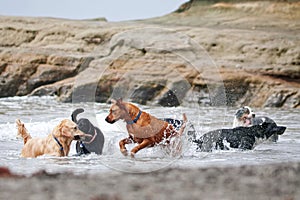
x=246, y=117
x=143, y=128
x=56, y=143
x=240, y=137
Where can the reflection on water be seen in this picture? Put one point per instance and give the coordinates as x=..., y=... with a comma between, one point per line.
x=42, y=114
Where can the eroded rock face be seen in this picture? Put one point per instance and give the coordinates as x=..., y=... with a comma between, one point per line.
x=169, y=65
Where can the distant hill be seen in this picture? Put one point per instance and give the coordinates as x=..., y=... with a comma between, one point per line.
x=246, y=14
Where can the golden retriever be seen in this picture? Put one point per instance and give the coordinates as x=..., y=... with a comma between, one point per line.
x=56, y=143
x=143, y=128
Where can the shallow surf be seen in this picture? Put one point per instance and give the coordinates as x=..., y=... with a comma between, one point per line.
x=41, y=114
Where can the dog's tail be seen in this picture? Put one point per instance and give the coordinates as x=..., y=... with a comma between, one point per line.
x=22, y=131
x=184, y=121
x=75, y=113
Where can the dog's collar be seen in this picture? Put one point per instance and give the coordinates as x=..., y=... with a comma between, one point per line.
x=60, y=145
x=135, y=119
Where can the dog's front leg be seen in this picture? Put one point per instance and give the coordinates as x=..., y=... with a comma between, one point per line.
x=122, y=144
x=145, y=143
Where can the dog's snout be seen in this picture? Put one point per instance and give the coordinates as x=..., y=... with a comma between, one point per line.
x=82, y=137
x=253, y=115
x=107, y=119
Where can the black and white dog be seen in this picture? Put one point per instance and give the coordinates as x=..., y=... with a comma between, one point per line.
x=240, y=137
x=191, y=132
x=245, y=117
x=93, y=144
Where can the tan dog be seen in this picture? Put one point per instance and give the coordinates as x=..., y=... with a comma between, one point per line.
x=56, y=143
x=143, y=128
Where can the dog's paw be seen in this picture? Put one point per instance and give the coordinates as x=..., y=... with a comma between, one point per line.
x=132, y=154
x=124, y=152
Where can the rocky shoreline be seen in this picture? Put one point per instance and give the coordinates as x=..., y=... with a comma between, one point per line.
x=228, y=54
x=277, y=181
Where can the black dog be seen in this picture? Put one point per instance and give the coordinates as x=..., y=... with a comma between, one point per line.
x=94, y=144
x=240, y=137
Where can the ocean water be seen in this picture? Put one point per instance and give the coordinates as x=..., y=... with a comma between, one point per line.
x=42, y=114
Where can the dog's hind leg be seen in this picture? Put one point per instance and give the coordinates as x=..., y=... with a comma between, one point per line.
x=144, y=144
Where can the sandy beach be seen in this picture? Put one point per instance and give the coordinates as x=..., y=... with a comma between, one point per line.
x=277, y=181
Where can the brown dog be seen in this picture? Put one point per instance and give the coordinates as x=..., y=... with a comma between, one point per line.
x=56, y=143
x=143, y=128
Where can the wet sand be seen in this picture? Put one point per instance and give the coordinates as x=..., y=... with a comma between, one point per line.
x=274, y=181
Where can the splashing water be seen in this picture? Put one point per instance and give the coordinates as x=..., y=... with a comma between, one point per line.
x=42, y=114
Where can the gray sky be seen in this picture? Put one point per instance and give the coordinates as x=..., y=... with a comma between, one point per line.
x=112, y=10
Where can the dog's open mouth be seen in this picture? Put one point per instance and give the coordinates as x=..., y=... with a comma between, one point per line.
x=246, y=121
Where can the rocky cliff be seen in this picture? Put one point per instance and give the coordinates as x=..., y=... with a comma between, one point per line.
x=245, y=53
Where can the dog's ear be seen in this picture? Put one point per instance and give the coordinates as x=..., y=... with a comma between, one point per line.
x=119, y=102
x=65, y=131
x=239, y=113
x=113, y=101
